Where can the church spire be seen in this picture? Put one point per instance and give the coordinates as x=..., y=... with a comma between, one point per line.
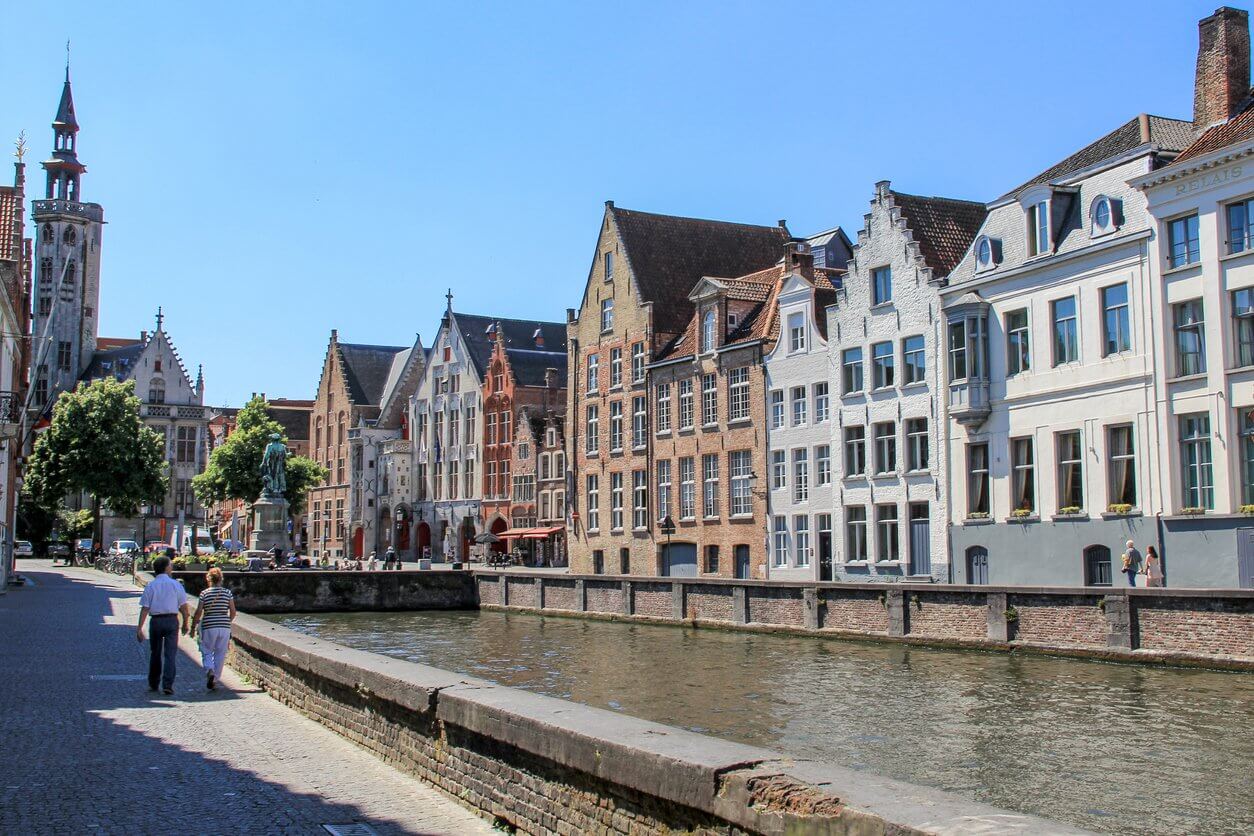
x=64, y=169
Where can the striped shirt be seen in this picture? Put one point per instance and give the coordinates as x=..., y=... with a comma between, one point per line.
x=216, y=601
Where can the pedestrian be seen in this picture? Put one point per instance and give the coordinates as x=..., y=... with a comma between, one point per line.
x=214, y=615
x=1131, y=563
x=389, y=557
x=163, y=599
x=1153, y=567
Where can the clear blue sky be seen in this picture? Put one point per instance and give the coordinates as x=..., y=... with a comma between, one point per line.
x=271, y=171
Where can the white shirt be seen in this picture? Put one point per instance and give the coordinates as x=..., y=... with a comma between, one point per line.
x=163, y=596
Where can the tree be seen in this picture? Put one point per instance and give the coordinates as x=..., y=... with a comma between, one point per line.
x=96, y=444
x=75, y=524
x=234, y=469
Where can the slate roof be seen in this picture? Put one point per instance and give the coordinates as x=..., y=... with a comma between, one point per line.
x=668, y=255
x=1239, y=128
x=527, y=361
x=65, y=108
x=366, y=369
x=1168, y=134
x=942, y=227
x=113, y=361
x=293, y=419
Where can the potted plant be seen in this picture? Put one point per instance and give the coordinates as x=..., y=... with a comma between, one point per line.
x=1248, y=510
x=1192, y=511
x=978, y=515
x=1070, y=511
x=1021, y=513
x=1120, y=508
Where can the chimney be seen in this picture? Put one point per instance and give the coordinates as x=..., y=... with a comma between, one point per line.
x=1223, y=67
x=538, y=336
x=798, y=258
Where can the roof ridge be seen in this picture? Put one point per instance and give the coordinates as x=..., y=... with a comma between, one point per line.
x=697, y=220
x=896, y=193
x=511, y=319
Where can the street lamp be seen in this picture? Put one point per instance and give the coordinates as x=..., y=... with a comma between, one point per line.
x=667, y=527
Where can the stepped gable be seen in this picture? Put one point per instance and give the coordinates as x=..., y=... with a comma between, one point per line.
x=943, y=227
x=366, y=369
x=668, y=255
x=1167, y=134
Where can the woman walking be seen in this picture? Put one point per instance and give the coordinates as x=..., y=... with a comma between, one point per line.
x=213, y=616
x=1153, y=567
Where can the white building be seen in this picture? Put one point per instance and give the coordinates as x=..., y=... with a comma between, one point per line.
x=884, y=335
x=801, y=394
x=1053, y=440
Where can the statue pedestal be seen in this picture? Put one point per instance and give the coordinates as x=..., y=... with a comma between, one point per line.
x=269, y=525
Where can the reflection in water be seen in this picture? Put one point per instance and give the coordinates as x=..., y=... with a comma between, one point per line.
x=1116, y=748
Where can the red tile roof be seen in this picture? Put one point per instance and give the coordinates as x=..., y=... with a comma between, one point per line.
x=669, y=255
x=760, y=323
x=942, y=226
x=1239, y=128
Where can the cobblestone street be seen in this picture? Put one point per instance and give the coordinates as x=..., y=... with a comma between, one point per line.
x=87, y=749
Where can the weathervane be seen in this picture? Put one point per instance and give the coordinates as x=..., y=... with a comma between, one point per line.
x=20, y=153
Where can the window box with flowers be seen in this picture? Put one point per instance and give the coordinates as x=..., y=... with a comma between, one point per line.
x=1192, y=511
x=1248, y=510
x=1023, y=515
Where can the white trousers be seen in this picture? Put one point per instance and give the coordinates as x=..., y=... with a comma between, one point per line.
x=213, y=645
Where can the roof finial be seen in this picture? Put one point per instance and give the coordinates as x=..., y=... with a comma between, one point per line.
x=67, y=59
x=449, y=297
x=20, y=153
x=160, y=317
x=200, y=377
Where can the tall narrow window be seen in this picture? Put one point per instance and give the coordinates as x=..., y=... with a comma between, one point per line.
x=855, y=451
x=958, y=350
x=639, y=500
x=738, y=463
x=780, y=551
x=855, y=533
x=1066, y=337
x=663, y=489
x=801, y=538
x=798, y=406
x=885, y=447
x=881, y=285
x=592, y=435
x=822, y=403
x=851, y=370
x=1183, y=242
x=686, y=416
x=738, y=394
x=1122, y=458
x=916, y=441
x=800, y=475
x=882, y=365
x=609, y=266
x=1070, y=470
x=709, y=399
x=1018, y=349
x=709, y=492
x=914, y=361
x=1247, y=456
x=1116, y=331
x=977, y=480
x=1240, y=226
x=687, y=488
x=779, y=470
x=156, y=390
x=616, y=368
x=607, y=314
x=823, y=464
x=1243, y=326
x=616, y=501
x=1023, y=475
x=1198, y=486
x=777, y=409
x=887, y=544
x=616, y=426
x=663, y=408
x=1038, y=228
x=593, y=376
x=1190, y=345
x=594, y=502
x=639, y=424
x=637, y=363
x=65, y=359
x=709, y=322
x=796, y=333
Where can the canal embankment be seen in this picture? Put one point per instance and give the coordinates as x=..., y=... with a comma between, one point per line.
x=545, y=765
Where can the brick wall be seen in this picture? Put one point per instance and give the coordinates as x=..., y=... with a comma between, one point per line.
x=862, y=611
x=949, y=616
x=604, y=596
x=560, y=594
x=772, y=605
x=524, y=592
x=1193, y=626
x=652, y=599
x=1048, y=619
x=709, y=603
x=329, y=591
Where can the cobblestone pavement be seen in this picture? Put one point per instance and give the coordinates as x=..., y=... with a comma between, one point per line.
x=85, y=748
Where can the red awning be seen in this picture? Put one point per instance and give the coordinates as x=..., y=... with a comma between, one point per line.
x=542, y=533
x=512, y=532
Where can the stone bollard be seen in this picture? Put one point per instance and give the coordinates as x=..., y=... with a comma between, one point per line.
x=740, y=605
x=895, y=603
x=810, y=597
x=677, y=600
x=581, y=595
x=1119, y=622
x=628, y=605
x=998, y=629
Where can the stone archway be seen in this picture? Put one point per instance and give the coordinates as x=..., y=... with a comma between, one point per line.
x=424, y=539
x=467, y=538
x=499, y=525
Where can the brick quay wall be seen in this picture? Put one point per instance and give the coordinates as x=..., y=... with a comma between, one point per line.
x=544, y=765
x=1207, y=628
x=313, y=590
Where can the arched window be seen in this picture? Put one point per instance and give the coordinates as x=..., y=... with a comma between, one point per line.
x=544, y=466
x=69, y=236
x=156, y=390
x=977, y=564
x=1097, y=566
x=707, y=330
x=48, y=236
x=341, y=430
x=45, y=272
x=318, y=435
x=559, y=465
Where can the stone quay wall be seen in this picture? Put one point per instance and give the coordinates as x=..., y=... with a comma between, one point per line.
x=544, y=765
x=1208, y=628
x=312, y=590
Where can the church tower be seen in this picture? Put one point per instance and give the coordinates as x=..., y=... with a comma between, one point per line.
x=66, y=293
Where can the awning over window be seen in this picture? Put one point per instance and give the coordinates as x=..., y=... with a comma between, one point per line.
x=512, y=532
x=542, y=533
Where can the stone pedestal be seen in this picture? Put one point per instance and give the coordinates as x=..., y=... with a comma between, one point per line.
x=269, y=525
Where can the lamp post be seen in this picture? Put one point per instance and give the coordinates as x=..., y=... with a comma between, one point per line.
x=667, y=527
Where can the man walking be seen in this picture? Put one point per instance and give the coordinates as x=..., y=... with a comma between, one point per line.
x=1131, y=563
x=163, y=599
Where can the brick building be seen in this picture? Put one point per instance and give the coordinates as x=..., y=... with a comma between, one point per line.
x=349, y=391
x=526, y=379
x=636, y=307
x=15, y=259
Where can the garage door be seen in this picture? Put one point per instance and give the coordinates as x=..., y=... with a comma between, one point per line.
x=679, y=560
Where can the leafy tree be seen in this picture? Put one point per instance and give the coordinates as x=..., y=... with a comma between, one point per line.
x=234, y=469
x=34, y=523
x=97, y=444
x=75, y=524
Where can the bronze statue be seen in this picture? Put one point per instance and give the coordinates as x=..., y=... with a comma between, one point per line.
x=274, y=468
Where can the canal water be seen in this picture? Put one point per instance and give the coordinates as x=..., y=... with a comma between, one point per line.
x=1109, y=747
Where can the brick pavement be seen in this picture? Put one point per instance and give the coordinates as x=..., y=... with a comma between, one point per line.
x=84, y=751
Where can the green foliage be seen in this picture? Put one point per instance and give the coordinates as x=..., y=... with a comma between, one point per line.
x=34, y=522
x=234, y=469
x=97, y=444
x=75, y=524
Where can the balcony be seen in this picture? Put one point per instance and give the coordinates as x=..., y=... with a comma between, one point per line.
x=968, y=402
x=10, y=414
x=155, y=410
x=403, y=446
x=87, y=211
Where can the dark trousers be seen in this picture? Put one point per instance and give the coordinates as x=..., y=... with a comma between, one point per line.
x=163, y=644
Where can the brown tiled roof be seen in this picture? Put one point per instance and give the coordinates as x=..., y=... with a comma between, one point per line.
x=293, y=419
x=761, y=322
x=9, y=219
x=669, y=255
x=1169, y=134
x=942, y=226
x=1239, y=128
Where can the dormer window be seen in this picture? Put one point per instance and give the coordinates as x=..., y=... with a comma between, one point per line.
x=708, y=336
x=732, y=321
x=796, y=333
x=1103, y=215
x=1038, y=228
x=987, y=253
